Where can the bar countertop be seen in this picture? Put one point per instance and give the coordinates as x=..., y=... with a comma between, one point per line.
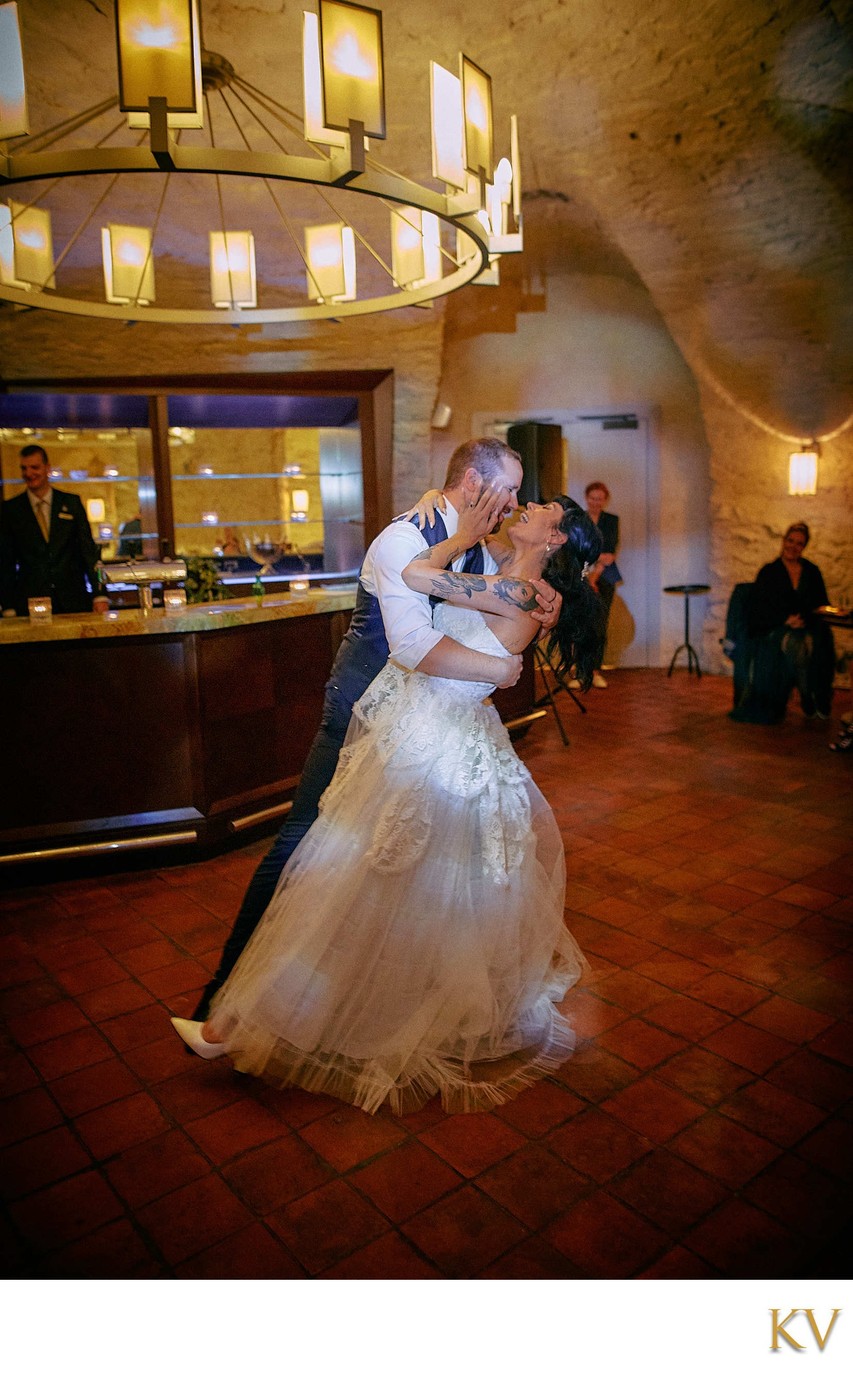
x=193, y=618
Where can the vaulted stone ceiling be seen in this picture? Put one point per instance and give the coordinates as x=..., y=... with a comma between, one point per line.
x=703, y=147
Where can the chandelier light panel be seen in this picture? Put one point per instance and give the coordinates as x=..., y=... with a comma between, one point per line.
x=515, y=164
x=353, y=75
x=312, y=87
x=431, y=237
x=448, y=132
x=233, y=281
x=13, y=94
x=440, y=240
x=477, y=122
x=26, y=247
x=802, y=471
x=407, y=246
x=330, y=252
x=159, y=54
x=128, y=263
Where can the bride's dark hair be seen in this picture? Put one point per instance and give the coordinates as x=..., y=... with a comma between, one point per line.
x=577, y=636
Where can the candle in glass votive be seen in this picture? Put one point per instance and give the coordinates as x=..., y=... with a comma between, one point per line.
x=174, y=600
x=40, y=609
x=299, y=587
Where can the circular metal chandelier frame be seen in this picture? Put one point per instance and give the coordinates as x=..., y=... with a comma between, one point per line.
x=331, y=172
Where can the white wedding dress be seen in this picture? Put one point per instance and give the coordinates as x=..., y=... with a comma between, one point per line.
x=415, y=944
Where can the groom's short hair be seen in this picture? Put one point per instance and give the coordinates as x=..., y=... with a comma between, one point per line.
x=485, y=454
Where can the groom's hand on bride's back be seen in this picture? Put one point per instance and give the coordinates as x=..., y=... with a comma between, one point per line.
x=548, y=605
x=512, y=672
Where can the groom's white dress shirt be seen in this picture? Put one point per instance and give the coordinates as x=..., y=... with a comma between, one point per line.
x=407, y=615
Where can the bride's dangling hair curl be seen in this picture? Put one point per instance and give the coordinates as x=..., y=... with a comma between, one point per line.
x=577, y=635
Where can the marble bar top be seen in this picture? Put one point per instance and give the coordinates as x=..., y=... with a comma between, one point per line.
x=191, y=618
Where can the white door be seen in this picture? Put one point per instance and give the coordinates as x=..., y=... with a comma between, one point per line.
x=616, y=448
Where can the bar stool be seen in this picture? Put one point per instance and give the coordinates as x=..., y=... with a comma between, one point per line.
x=686, y=591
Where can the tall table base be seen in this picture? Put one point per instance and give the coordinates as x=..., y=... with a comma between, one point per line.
x=686, y=646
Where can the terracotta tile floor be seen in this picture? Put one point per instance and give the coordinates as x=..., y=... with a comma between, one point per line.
x=701, y=1130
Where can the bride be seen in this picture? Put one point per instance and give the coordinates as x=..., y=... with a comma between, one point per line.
x=415, y=944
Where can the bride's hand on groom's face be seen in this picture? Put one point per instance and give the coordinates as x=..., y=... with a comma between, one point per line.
x=481, y=515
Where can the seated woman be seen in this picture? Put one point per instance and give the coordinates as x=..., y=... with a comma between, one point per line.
x=416, y=943
x=791, y=644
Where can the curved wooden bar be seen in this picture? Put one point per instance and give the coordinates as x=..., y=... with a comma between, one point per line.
x=172, y=730
x=122, y=731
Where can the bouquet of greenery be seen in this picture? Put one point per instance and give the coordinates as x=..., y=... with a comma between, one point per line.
x=203, y=584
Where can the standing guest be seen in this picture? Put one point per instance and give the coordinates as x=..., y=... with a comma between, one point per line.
x=606, y=575
x=46, y=546
x=130, y=535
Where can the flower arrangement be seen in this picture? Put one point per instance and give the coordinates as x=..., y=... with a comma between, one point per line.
x=203, y=584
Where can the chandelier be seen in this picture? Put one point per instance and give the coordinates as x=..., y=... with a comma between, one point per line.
x=193, y=184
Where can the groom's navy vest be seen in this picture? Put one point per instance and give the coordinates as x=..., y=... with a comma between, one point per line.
x=364, y=649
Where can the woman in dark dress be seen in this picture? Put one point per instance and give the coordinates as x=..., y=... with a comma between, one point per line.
x=791, y=644
x=606, y=575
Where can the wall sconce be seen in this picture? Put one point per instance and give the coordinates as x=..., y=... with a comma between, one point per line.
x=159, y=54
x=96, y=510
x=13, y=92
x=233, y=282
x=330, y=255
x=210, y=519
x=26, y=247
x=802, y=470
x=352, y=67
x=106, y=532
x=477, y=121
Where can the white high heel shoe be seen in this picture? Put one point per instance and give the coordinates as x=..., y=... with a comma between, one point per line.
x=190, y=1034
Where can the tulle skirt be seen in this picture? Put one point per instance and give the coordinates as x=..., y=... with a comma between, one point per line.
x=416, y=943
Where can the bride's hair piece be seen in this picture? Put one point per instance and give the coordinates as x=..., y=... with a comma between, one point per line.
x=577, y=635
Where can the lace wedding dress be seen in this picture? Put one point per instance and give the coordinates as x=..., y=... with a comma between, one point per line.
x=415, y=944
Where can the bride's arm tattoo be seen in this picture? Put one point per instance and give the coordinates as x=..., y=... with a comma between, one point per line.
x=519, y=594
x=515, y=592
x=447, y=583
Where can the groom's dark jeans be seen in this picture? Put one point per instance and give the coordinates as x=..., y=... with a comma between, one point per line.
x=318, y=771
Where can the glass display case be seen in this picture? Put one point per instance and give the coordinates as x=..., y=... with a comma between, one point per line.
x=109, y=468
x=274, y=476
x=275, y=500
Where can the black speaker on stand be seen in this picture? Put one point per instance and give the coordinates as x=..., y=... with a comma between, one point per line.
x=540, y=445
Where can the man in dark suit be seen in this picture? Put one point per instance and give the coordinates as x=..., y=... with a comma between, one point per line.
x=46, y=545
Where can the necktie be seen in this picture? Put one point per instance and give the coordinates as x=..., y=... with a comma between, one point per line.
x=41, y=514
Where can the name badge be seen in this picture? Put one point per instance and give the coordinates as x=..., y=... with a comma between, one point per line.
x=69, y=516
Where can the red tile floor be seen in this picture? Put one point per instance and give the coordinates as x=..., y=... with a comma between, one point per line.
x=701, y=1130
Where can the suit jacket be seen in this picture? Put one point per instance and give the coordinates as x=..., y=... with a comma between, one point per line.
x=60, y=567
x=608, y=526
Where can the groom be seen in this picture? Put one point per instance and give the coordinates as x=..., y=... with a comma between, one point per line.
x=388, y=619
